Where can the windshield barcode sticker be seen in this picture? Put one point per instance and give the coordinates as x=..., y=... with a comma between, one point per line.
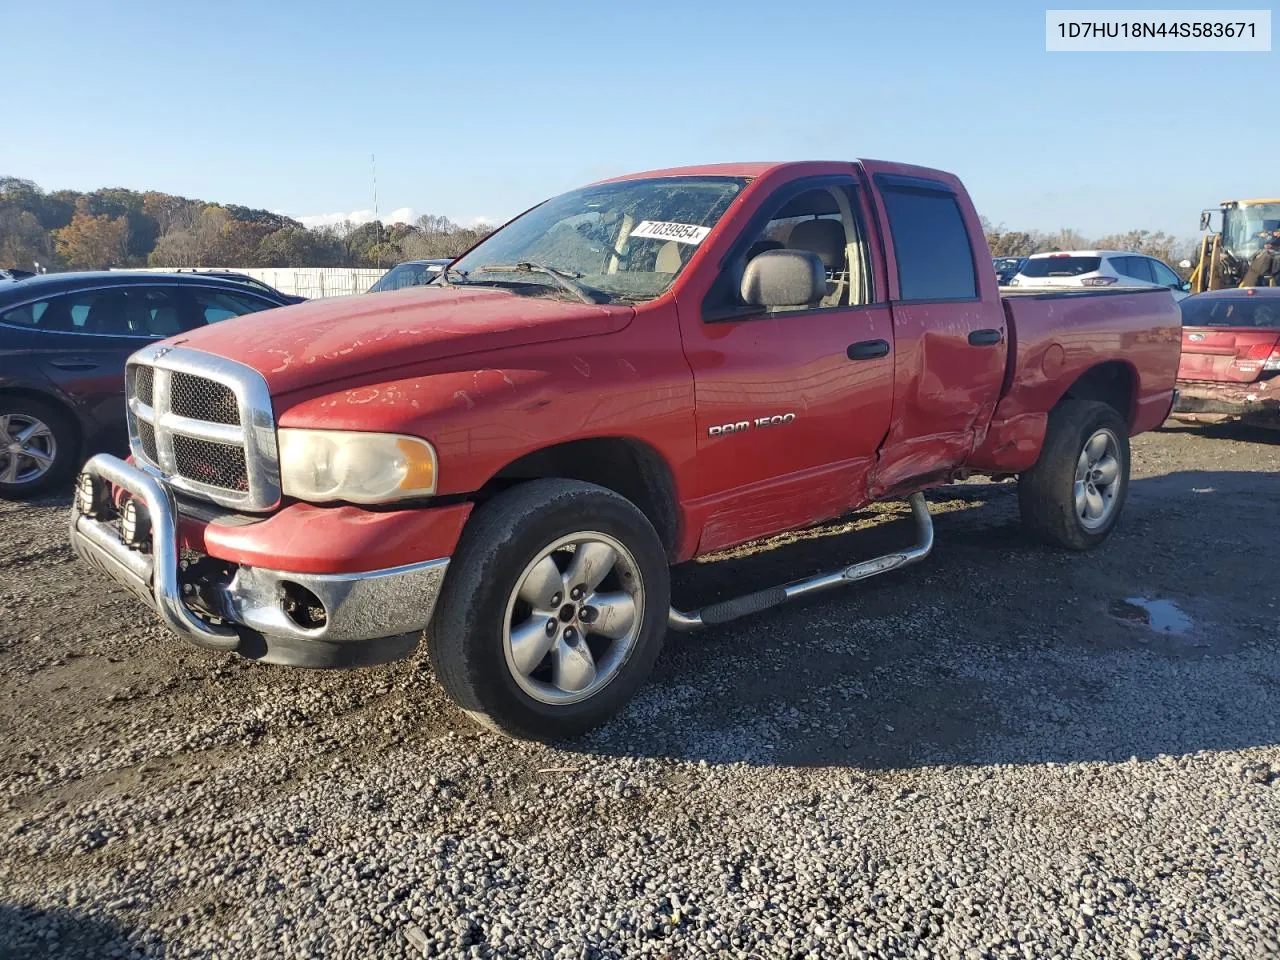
x=679, y=232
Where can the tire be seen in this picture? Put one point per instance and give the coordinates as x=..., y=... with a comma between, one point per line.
x=1050, y=493
x=487, y=629
x=55, y=435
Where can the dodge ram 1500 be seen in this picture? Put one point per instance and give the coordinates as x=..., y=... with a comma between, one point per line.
x=628, y=376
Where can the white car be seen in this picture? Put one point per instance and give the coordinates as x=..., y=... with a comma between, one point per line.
x=1098, y=268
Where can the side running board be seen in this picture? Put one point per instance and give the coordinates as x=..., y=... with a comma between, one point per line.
x=727, y=610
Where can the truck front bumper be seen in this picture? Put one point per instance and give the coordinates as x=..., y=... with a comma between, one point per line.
x=301, y=619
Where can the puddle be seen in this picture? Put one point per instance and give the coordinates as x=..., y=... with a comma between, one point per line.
x=1162, y=616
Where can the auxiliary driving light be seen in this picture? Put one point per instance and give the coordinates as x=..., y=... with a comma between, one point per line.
x=92, y=498
x=135, y=525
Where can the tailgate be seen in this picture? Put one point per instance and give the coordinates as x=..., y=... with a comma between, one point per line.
x=1226, y=354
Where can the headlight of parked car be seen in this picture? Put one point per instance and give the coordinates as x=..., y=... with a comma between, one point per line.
x=326, y=465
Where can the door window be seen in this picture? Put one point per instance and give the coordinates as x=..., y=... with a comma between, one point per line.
x=824, y=220
x=113, y=312
x=1138, y=268
x=931, y=243
x=210, y=306
x=1165, y=276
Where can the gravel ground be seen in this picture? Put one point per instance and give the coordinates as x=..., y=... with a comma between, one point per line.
x=998, y=753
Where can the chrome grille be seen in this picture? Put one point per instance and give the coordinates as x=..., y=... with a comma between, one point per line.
x=147, y=437
x=202, y=399
x=214, y=464
x=143, y=384
x=205, y=425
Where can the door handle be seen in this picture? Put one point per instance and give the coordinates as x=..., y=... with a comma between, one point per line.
x=74, y=363
x=868, y=349
x=985, y=338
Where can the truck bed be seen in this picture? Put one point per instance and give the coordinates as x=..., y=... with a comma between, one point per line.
x=1055, y=337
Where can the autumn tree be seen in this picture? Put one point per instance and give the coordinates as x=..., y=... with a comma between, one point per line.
x=298, y=247
x=23, y=241
x=91, y=242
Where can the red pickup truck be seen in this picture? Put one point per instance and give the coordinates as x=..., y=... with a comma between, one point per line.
x=625, y=377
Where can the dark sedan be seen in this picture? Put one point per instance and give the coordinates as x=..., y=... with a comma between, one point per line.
x=64, y=339
x=411, y=273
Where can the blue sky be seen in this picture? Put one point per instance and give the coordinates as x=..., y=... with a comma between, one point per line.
x=480, y=110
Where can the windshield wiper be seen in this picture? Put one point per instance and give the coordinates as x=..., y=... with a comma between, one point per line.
x=563, y=277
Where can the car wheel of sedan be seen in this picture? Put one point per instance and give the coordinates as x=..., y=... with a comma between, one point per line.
x=38, y=447
x=553, y=611
x=1073, y=496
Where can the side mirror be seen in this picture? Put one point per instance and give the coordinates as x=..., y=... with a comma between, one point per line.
x=784, y=278
x=1185, y=285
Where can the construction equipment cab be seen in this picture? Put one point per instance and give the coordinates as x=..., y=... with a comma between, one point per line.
x=1225, y=253
x=628, y=376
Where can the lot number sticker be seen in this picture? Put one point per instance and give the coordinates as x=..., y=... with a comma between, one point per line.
x=679, y=232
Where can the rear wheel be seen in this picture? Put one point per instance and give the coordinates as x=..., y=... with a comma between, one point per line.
x=38, y=447
x=553, y=611
x=1073, y=496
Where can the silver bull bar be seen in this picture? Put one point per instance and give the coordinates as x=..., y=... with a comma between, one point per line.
x=153, y=577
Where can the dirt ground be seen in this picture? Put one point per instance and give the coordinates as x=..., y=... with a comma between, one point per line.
x=1033, y=693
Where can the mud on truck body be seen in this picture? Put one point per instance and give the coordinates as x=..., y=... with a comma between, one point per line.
x=625, y=377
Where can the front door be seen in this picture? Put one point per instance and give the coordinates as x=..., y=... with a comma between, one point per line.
x=790, y=404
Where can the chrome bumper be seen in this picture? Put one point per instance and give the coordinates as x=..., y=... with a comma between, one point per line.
x=368, y=617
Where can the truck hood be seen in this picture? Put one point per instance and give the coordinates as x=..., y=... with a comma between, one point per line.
x=321, y=341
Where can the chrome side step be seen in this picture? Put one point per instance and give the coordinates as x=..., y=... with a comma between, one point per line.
x=727, y=610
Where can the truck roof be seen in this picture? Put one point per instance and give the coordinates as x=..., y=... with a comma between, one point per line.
x=754, y=169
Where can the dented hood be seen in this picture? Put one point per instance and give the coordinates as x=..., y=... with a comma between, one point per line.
x=321, y=341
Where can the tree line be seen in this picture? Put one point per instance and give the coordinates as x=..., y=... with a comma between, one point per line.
x=114, y=227
x=1023, y=243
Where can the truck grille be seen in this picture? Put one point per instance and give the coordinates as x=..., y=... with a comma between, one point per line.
x=202, y=399
x=143, y=384
x=214, y=464
x=204, y=424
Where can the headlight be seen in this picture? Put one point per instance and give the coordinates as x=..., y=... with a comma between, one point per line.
x=324, y=465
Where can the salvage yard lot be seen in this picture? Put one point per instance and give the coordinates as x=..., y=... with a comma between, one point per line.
x=987, y=755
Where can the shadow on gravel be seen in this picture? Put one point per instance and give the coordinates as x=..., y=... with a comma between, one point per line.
x=993, y=650
x=1239, y=432
x=30, y=933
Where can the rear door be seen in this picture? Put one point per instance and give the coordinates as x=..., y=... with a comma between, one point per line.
x=948, y=327
x=1233, y=339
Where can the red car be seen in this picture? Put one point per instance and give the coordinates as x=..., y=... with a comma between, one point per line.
x=1230, y=367
x=631, y=375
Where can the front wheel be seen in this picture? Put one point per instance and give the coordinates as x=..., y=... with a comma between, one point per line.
x=1073, y=496
x=553, y=611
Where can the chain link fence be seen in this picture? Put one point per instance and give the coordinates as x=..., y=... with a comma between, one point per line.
x=310, y=282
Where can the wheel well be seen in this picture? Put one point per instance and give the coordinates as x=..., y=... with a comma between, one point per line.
x=628, y=467
x=50, y=400
x=1112, y=383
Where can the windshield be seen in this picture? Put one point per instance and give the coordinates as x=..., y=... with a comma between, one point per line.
x=622, y=241
x=1060, y=266
x=1242, y=227
x=1232, y=312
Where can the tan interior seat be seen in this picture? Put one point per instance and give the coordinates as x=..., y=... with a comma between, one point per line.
x=826, y=239
x=668, y=260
